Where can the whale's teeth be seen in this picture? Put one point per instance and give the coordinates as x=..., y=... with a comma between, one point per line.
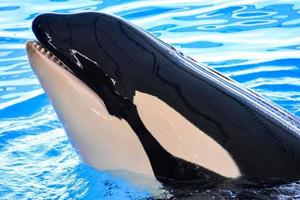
x=50, y=55
x=43, y=50
x=55, y=59
x=47, y=53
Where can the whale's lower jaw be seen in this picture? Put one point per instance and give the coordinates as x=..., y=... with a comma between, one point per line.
x=103, y=141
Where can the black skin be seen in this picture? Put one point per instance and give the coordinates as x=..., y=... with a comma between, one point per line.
x=116, y=59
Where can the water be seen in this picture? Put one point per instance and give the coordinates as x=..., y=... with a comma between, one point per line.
x=254, y=42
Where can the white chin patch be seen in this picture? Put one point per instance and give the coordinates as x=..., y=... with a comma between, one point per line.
x=183, y=139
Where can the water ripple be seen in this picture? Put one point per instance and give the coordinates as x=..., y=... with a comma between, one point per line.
x=255, y=42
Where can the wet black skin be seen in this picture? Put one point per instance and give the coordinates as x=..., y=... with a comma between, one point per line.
x=116, y=59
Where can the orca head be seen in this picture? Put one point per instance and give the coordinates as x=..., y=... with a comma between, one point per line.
x=130, y=101
x=109, y=93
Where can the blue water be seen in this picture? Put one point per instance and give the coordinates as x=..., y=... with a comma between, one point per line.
x=257, y=43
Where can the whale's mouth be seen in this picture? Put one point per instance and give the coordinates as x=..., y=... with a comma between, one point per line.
x=47, y=54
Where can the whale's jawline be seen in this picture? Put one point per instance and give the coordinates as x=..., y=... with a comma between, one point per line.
x=48, y=54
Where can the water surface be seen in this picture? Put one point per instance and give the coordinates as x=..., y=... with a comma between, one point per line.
x=257, y=43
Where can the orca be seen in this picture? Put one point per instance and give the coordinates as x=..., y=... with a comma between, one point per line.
x=129, y=101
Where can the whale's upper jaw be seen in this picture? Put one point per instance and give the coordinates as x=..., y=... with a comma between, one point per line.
x=71, y=38
x=87, y=44
x=53, y=35
x=75, y=37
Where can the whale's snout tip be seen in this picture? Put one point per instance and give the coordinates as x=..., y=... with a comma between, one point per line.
x=29, y=44
x=30, y=47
